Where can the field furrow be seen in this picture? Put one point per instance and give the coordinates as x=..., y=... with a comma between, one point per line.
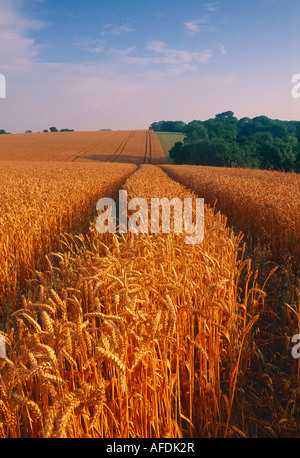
x=48, y=146
x=93, y=145
x=132, y=335
x=264, y=204
x=107, y=150
x=116, y=154
x=104, y=146
x=144, y=332
x=143, y=148
x=38, y=203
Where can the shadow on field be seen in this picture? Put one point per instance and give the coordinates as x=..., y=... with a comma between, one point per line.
x=122, y=158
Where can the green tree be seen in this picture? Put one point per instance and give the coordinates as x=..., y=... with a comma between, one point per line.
x=224, y=140
x=167, y=126
x=227, y=117
x=177, y=153
x=276, y=153
x=297, y=158
x=279, y=129
x=287, y=152
x=216, y=129
x=221, y=130
x=214, y=152
x=195, y=132
x=172, y=126
x=155, y=126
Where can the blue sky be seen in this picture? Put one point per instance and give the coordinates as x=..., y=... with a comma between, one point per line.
x=123, y=64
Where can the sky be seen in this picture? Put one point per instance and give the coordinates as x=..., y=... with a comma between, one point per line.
x=123, y=64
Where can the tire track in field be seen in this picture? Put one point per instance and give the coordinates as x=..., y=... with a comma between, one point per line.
x=89, y=147
x=120, y=148
x=150, y=147
x=147, y=148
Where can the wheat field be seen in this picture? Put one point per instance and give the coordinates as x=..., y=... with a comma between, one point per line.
x=135, y=146
x=264, y=203
x=123, y=335
x=40, y=201
x=124, y=339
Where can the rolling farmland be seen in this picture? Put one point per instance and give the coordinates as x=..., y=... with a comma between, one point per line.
x=137, y=146
x=124, y=320
x=131, y=335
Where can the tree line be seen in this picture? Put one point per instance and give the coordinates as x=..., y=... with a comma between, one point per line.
x=225, y=141
x=51, y=129
x=167, y=126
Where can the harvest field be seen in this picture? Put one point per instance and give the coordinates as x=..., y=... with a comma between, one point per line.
x=39, y=202
x=122, y=335
x=123, y=339
x=136, y=146
x=265, y=204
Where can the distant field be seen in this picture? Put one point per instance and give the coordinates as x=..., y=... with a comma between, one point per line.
x=131, y=146
x=141, y=334
x=168, y=140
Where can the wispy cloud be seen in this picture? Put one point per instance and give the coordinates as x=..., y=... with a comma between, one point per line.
x=17, y=50
x=168, y=55
x=212, y=6
x=116, y=30
x=95, y=46
x=192, y=27
x=197, y=26
x=158, y=60
x=127, y=86
x=222, y=48
x=118, y=53
x=11, y=17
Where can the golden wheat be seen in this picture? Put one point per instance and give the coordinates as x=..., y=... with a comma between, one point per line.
x=132, y=335
x=38, y=203
x=265, y=204
x=135, y=146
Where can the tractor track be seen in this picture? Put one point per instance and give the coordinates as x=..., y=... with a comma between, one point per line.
x=88, y=148
x=120, y=148
x=147, y=148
